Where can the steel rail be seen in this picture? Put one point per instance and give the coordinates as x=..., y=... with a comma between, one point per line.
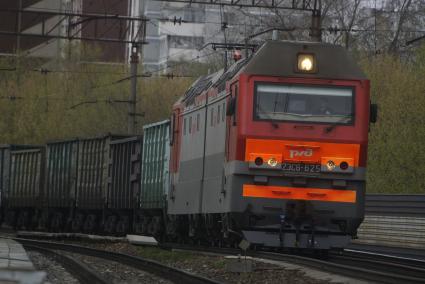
x=352, y=269
x=411, y=261
x=80, y=271
x=163, y=271
x=358, y=268
x=380, y=265
x=359, y=265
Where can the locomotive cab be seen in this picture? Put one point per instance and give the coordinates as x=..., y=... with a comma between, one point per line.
x=301, y=131
x=273, y=149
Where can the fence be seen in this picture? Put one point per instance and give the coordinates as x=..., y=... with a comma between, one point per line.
x=394, y=220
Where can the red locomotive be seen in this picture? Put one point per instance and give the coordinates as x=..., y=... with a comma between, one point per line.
x=273, y=150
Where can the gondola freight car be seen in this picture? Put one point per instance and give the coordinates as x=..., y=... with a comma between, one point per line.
x=152, y=203
x=22, y=184
x=90, y=184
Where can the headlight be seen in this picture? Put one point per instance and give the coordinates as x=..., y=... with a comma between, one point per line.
x=306, y=63
x=272, y=162
x=258, y=161
x=330, y=165
x=343, y=165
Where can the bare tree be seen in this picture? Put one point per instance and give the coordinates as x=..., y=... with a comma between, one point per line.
x=402, y=15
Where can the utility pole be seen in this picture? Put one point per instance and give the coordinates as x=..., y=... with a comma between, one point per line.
x=134, y=61
x=18, y=43
x=316, y=22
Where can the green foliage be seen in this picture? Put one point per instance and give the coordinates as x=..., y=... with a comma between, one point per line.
x=86, y=101
x=164, y=256
x=396, y=149
x=77, y=100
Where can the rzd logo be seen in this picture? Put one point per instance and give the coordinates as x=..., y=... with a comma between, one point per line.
x=300, y=153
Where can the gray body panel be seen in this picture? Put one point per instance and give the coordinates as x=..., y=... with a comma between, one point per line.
x=326, y=215
x=333, y=62
x=238, y=174
x=289, y=240
x=201, y=169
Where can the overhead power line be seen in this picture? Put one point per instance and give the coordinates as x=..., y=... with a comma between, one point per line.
x=304, y=5
x=330, y=29
x=83, y=16
x=409, y=42
x=76, y=24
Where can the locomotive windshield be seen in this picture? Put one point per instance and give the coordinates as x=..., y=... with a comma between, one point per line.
x=303, y=103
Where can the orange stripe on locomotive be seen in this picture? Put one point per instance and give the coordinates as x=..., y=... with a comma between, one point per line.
x=288, y=151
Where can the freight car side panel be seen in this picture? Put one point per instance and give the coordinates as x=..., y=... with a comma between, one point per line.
x=92, y=176
x=5, y=168
x=4, y=172
x=124, y=173
x=155, y=165
x=26, y=178
x=61, y=177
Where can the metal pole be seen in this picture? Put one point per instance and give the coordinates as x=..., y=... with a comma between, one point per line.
x=18, y=43
x=225, y=59
x=316, y=31
x=134, y=60
x=316, y=21
x=275, y=35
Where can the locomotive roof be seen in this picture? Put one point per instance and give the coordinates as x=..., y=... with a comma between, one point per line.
x=217, y=80
x=278, y=58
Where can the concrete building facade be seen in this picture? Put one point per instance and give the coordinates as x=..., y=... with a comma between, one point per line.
x=168, y=38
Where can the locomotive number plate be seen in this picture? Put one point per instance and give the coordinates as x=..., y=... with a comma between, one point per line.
x=301, y=168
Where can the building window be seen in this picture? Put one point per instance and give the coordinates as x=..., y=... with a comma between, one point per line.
x=184, y=126
x=198, y=118
x=212, y=117
x=185, y=42
x=190, y=124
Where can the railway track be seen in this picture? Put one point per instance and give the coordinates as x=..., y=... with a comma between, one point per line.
x=81, y=272
x=352, y=263
x=163, y=271
x=396, y=259
x=358, y=265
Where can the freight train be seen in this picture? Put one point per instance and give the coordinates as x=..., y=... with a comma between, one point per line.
x=272, y=150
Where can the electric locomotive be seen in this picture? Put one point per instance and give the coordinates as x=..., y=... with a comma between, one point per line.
x=273, y=150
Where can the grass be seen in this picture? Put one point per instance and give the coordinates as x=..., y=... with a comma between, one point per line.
x=219, y=264
x=162, y=255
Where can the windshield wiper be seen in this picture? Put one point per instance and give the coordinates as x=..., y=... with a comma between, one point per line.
x=336, y=123
x=274, y=124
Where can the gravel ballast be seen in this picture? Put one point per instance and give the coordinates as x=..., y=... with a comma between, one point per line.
x=55, y=272
x=118, y=273
x=214, y=266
